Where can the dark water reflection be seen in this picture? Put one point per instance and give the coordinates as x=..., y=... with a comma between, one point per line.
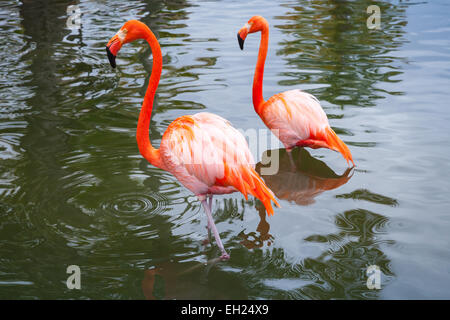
x=347, y=59
x=356, y=245
x=74, y=189
x=303, y=179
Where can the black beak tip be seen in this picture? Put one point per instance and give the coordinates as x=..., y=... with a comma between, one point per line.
x=241, y=41
x=111, y=57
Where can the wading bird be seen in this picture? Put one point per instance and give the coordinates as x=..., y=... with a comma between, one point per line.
x=294, y=116
x=203, y=151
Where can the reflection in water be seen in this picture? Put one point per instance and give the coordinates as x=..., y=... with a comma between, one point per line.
x=190, y=280
x=29, y=236
x=338, y=272
x=251, y=239
x=307, y=180
x=329, y=43
x=300, y=184
x=364, y=194
x=341, y=270
x=166, y=280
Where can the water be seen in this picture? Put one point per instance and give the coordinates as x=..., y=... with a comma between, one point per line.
x=75, y=191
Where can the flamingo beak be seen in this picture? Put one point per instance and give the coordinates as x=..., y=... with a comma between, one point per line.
x=242, y=34
x=111, y=58
x=112, y=48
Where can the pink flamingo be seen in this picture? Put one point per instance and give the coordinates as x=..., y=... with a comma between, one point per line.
x=203, y=151
x=294, y=116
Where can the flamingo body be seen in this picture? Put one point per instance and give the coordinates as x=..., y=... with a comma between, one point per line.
x=294, y=116
x=297, y=119
x=194, y=149
x=208, y=156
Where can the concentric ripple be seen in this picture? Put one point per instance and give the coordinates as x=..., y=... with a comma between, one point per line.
x=133, y=204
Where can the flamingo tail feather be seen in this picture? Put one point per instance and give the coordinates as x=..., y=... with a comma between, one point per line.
x=247, y=181
x=335, y=143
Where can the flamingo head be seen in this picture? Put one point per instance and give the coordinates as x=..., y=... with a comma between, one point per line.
x=130, y=31
x=255, y=24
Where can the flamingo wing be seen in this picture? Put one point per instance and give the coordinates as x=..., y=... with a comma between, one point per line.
x=297, y=119
x=296, y=115
x=208, y=155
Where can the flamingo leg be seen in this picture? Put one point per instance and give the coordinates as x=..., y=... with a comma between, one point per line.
x=209, y=199
x=208, y=226
x=291, y=160
x=225, y=255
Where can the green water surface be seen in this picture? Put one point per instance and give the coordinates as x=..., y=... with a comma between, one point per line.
x=74, y=189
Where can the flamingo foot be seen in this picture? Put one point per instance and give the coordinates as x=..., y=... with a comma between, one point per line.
x=225, y=256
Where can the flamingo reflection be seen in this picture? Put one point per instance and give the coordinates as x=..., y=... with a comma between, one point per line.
x=191, y=280
x=252, y=239
x=303, y=177
x=299, y=179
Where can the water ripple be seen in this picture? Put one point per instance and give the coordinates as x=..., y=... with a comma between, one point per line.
x=135, y=204
x=364, y=194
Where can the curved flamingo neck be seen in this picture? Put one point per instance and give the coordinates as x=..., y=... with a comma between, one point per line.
x=142, y=134
x=257, y=95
